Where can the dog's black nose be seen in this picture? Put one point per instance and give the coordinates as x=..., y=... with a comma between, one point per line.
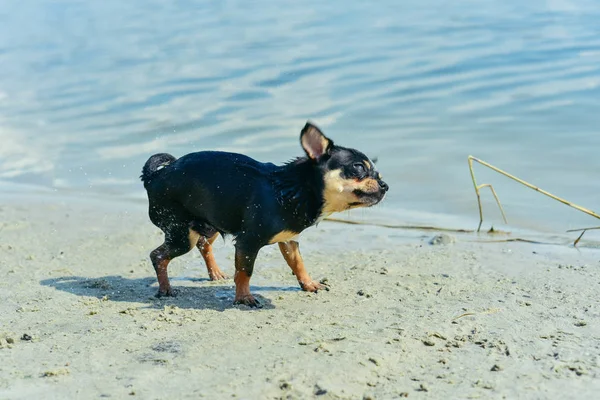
x=383, y=186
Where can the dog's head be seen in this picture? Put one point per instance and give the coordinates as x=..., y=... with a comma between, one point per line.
x=350, y=177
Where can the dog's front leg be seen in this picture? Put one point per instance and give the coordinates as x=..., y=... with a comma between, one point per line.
x=291, y=252
x=244, y=265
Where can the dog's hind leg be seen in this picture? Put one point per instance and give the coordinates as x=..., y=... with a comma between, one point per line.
x=179, y=239
x=205, y=247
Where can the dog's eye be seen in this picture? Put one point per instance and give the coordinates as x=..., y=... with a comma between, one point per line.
x=360, y=168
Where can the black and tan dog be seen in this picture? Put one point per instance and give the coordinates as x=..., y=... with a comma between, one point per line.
x=201, y=195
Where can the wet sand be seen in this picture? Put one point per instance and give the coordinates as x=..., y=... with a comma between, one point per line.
x=402, y=318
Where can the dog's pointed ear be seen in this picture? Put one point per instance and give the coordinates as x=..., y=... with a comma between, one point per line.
x=314, y=142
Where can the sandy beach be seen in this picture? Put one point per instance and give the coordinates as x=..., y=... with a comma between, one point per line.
x=403, y=318
x=419, y=305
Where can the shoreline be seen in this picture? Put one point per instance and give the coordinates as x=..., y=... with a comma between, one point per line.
x=377, y=217
x=78, y=317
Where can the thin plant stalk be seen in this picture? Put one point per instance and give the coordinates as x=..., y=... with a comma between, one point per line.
x=529, y=185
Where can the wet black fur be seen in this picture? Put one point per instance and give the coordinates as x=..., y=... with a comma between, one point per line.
x=231, y=193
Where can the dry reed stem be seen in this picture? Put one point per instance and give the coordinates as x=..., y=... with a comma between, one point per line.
x=529, y=185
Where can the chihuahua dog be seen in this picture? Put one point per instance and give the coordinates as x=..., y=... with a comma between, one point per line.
x=195, y=198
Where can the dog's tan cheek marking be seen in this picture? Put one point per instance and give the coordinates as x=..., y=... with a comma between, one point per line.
x=338, y=192
x=284, y=236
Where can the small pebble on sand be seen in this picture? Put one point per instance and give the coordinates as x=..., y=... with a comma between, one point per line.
x=442, y=239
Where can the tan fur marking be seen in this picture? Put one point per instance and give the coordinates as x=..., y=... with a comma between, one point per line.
x=368, y=185
x=193, y=236
x=163, y=278
x=291, y=254
x=205, y=246
x=283, y=236
x=368, y=164
x=338, y=192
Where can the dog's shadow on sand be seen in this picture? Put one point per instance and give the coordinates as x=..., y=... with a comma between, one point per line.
x=213, y=296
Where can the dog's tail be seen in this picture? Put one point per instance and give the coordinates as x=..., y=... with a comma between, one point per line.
x=154, y=164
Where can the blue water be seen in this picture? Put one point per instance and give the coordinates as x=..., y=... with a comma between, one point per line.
x=88, y=90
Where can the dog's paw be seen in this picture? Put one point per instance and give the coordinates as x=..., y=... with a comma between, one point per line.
x=247, y=300
x=312, y=286
x=217, y=275
x=168, y=293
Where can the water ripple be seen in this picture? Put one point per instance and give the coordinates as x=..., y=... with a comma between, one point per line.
x=89, y=89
